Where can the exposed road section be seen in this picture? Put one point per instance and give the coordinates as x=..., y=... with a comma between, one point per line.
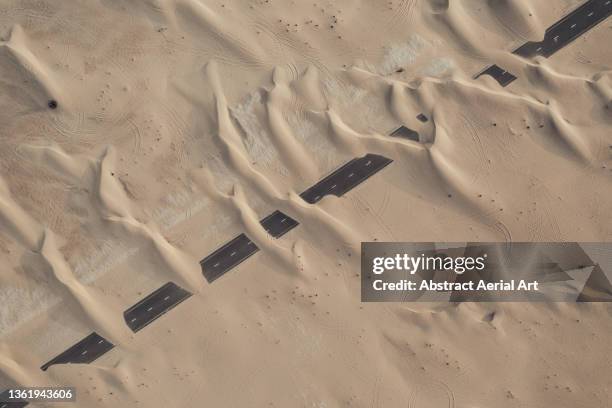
x=154, y=305
x=346, y=177
x=568, y=29
x=406, y=133
x=556, y=37
x=422, y=117
x=240, y=248
x=227, y=257
x=277, y=224
x=503, y=77
x=219, y=262
x=84, y=352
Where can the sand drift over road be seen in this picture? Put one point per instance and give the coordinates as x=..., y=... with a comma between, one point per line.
x=185, y=186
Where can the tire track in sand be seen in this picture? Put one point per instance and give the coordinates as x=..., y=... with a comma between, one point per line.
x=246, y=54
x=433, y=391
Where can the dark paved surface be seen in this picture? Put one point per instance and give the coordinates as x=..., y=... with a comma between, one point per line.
x=557, y=36
x=154, y=305
x=405, y=133
x=422, y=117
x=227, y=257
x=278, y=224
x=346, y=177
x=240, y=248
x=568, y=29
x=84, y=352
x=503, y=77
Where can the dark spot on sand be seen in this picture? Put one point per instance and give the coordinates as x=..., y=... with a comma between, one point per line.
x=489, y=317
x=52, y=104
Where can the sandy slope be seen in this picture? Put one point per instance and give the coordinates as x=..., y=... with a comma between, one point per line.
x=180, y=123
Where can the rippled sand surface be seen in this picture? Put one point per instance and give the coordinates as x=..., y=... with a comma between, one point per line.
x=137, y=136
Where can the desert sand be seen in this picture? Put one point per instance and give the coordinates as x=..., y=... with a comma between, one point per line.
x=178, y=124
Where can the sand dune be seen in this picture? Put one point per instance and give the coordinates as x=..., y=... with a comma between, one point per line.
x=178, y=124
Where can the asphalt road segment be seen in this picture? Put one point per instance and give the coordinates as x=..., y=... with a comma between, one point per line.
x=421, y=117
x=405, y=133
x=346, y=177
x=84, y=352
x=240, y=248
x=227, y=257
x=154, y=305
x=557, y=36
x=503, y=77
x=277, y=224
x=220, y=261
x=568, y=29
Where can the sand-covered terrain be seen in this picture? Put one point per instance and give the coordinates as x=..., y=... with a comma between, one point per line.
x=137, y=136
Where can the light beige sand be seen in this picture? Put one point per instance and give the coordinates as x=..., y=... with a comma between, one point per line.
x=182, y=122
